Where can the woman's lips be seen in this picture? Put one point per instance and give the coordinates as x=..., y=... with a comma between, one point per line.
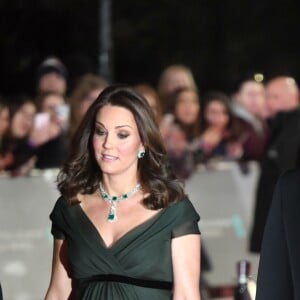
x=107, y=157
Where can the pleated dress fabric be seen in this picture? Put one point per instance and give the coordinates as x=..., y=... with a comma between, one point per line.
x=143, y=253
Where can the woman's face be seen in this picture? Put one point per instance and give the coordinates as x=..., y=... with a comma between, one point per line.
x=187, y=107
x=88, y=100
x=22, y=121
x=116, y=141
x=176, y=79
x=216, y=114
x=4, y=120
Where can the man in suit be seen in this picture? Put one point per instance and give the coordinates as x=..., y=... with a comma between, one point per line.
x=279, y=267
x=282, y=153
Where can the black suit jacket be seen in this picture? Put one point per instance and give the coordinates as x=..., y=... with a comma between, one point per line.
x=282, y=154
x=279, y=267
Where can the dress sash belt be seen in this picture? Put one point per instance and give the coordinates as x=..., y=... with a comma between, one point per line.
x=154, y=284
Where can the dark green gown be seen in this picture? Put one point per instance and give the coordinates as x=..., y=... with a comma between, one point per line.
x=143, y=254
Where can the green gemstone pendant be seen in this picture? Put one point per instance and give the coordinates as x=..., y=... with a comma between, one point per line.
x=113, y=200
x=112, y=216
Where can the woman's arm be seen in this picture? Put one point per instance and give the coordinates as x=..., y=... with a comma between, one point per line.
x=60, y=284
x=186, y=267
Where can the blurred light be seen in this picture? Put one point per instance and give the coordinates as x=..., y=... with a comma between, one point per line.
x=258, y=77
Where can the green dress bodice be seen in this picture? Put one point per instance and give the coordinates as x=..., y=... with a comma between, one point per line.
x=142, y=253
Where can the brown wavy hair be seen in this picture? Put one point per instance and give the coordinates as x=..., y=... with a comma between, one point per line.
x=81, y=173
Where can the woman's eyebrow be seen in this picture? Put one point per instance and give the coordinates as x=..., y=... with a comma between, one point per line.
x=99, y=123
x=120, y=126
x=116, y=127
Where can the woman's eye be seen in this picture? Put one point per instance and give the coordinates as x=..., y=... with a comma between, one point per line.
x=99, y=131
x=122, y=135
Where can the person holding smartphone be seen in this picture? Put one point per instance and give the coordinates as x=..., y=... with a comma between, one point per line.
x=49, y=131
x=15, y=141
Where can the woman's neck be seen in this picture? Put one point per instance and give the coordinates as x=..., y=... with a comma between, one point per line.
x=119, y=185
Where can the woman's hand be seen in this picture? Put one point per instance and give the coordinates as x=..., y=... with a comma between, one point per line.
x=6, y=160
x=235, y=150
x=44, y=133
x=210, y=139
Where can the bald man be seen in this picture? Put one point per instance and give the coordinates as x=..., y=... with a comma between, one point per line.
x=282, y=153
x=282, y=94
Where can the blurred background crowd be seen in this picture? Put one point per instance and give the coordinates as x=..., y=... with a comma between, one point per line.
x=36, y=131
x=257, y=122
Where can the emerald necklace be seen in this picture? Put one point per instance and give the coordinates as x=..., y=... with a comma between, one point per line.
x=113, y=200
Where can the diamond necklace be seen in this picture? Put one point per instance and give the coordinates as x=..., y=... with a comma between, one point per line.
x=113, y=200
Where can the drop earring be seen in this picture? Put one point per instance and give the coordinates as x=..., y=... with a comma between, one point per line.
x=141, y=154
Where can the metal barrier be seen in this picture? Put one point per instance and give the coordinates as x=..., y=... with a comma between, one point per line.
x=222, y=195
x=25, y=241
x=224, y=198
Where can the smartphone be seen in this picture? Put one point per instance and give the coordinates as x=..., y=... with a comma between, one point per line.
x=63, y=111
x=41, y=120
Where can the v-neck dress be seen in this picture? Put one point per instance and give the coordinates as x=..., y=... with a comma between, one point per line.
x=141, y=255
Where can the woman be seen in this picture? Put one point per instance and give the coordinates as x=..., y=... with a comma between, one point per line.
x=122, y=228
x=5, y=158
x=174, y=77
x=4, y=118
x=49, y=135
x=221, y=136
x=180, y=128
x=15, y=141
x=279, y=266
x=37, y=140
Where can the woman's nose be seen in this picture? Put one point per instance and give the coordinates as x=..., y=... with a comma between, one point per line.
x=108, y=141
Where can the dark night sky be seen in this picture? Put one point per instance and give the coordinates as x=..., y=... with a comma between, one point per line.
x=219, y=40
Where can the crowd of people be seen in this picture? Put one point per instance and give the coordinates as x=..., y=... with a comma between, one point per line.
x=258, y=121
x=37, y=131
